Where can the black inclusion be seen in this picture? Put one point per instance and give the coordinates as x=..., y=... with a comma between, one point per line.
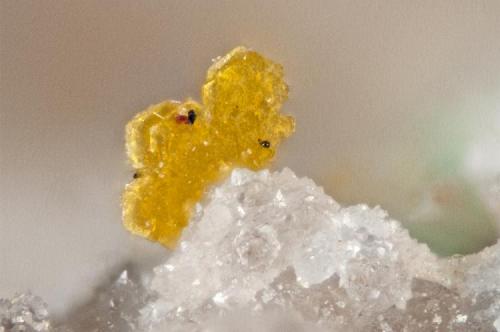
x=191, y=116
x=265, y=144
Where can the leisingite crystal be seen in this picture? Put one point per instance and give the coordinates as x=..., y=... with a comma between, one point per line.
x=179, y=148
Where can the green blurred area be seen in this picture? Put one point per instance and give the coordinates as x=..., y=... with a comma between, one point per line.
x=461, y=222
x=463, y=226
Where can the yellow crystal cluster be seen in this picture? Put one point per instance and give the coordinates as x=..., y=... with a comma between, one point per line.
x=179, y=148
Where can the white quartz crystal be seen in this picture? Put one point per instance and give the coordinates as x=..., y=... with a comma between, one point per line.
x=271, y=242
x=272, y=252
x=115, y=309
x=24, y=312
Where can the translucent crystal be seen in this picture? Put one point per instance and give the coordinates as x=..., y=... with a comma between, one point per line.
x=272, y=252
x=178, y=149
x=275, y=249
x=24, y=312
x=267, y=241
x=115, y=308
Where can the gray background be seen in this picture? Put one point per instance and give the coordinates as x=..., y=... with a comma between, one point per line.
x=375, y=86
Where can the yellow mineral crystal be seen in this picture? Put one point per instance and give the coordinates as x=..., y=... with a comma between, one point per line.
x=179, y=148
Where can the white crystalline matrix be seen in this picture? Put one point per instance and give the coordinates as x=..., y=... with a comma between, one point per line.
x=271, y=247
x=24, y=312
x=271, y=242
x=272, y=252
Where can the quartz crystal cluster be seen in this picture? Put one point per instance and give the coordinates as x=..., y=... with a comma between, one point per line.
x=24, y=312
x=115, y=309
x=272, y=252
x=274, y=243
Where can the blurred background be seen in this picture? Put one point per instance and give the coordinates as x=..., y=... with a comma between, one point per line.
x=397, y=104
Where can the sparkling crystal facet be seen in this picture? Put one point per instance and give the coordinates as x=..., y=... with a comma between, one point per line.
x=246, y=263
x=314, y=265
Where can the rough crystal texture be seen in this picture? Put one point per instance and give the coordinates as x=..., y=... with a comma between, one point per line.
x=24, y=312
x=114, y=309
x=180, y=148
x=275, y=241
x=271, y=252
x=275, y=248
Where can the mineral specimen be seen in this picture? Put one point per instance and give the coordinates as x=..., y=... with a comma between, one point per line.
x=273, y=242
x=178, y=149
x=24, y=312
x=276, y=249
x=272, y=252
x=115, y=309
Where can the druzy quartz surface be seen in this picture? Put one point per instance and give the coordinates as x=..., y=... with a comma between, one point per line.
x=179, y=148
x=268, y=251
